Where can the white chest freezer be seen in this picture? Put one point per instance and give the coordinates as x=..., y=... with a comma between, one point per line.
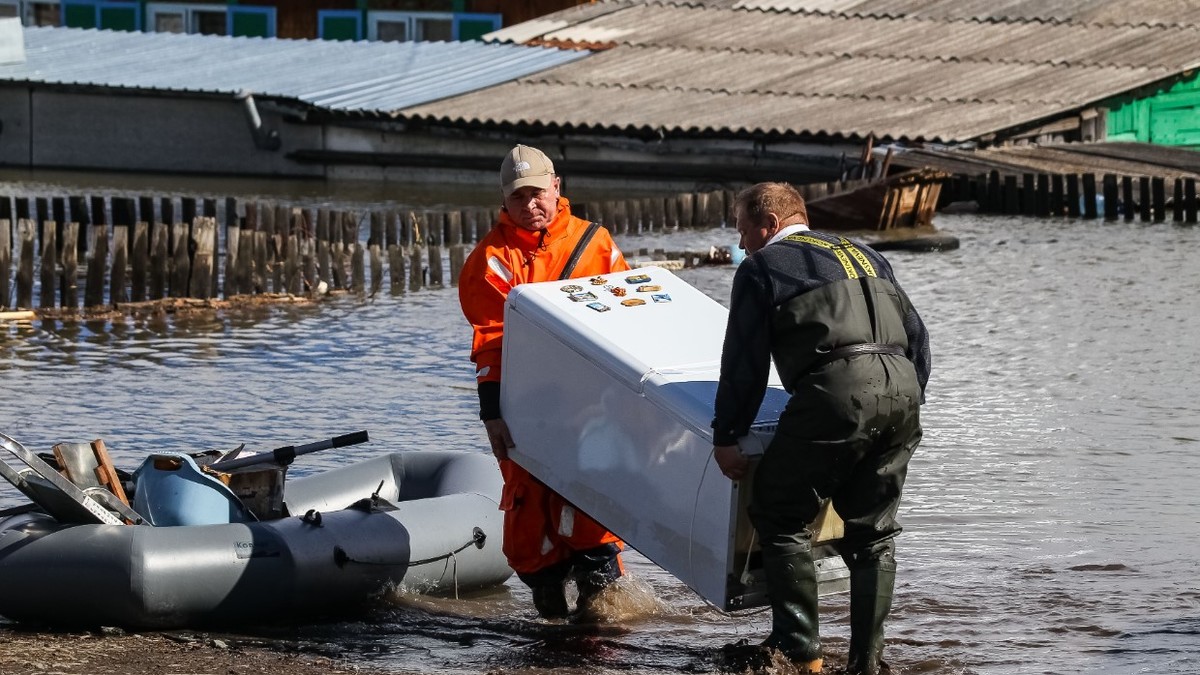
x=608, y=391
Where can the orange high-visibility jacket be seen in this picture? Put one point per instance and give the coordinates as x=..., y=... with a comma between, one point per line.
x=540, y=527
x=511, y=255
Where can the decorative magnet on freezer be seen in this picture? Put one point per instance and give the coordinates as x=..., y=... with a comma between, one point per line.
x=599, y=306
x=633, y=302
x=617, y=290
x=582, y=297
x=571, y=288
x=661, y=297
x=637, y=279
x=598, y=281
x=653, y=288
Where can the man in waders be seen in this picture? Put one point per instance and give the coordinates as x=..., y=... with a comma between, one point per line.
x=546, y=540
x=854, y=355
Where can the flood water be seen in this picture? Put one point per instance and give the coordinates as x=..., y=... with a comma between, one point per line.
x=1052, y=516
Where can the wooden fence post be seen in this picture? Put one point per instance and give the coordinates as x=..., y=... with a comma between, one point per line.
x=375, y=251
x=395, y=253
x=79, y=214
x=458, y=254
x=308, y=250
x=140, y=255
x=1111, y=197
x=434, y=234
x=1127, y=201
x=1144, y=198
x=6, y=241
x=204, y=232
x=93, y=294
x=182, y=264
x=68, y=283
x=1073, y=195
x=233, y=245
x=160, y=240
x=1028, y=194
x=1012, y=198
x=26, y=243
x=123, y=216
x=1158, y=193
x=1177, y=202
x=358, y=280
x=120, y=255
x=293, y=266
x=1089, y=196
x=416, y=242
x=49, y=263
x=323, y=253
x=1189, y=197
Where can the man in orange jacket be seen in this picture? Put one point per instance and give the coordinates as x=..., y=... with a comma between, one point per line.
x=546, y=540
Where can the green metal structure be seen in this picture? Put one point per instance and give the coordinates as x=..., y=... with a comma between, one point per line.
x=1168, y=116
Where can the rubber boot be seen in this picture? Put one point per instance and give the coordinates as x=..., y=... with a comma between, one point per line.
x=548, y=587
x=871, y=588
x=594, y=570
x=550, y=600
x=792, y=589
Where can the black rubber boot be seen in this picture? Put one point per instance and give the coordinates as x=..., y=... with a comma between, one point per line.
x=792, y=589
x=594, y=570
x=548, y=587
x=871, y=586
x=550, y=600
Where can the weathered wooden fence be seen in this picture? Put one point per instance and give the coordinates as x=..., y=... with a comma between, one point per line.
x=106, y=250
x=1113, y=197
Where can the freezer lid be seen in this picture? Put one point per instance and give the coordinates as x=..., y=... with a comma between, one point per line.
x=660, y=323
x=667, y=347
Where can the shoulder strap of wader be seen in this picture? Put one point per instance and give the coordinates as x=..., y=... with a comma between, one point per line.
x=577, y=253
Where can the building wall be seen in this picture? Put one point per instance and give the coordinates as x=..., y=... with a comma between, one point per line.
x=1166, y=117
x=14, y=126
x=74, y=129
x=298, y=18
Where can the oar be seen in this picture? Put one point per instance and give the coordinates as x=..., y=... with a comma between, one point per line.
x=284, y=456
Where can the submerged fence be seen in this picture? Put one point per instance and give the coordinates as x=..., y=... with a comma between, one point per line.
x=1113, y=197
x=107, y=250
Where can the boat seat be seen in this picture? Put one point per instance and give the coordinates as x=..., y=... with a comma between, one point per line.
x=171, y=489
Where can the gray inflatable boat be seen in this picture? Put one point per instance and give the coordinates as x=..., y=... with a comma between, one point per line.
x=423, y=521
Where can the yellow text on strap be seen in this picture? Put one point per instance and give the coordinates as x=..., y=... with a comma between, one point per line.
x=839, y=251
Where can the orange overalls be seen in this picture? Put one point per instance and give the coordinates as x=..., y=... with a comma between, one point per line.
x=540, y=527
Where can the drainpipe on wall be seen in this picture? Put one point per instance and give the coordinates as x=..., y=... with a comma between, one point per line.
x=264, y=139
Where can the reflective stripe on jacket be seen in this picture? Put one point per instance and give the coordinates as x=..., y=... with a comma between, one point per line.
x=511, y=255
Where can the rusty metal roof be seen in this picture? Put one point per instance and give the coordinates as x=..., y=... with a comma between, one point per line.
x=367, y=77
x=933, y=70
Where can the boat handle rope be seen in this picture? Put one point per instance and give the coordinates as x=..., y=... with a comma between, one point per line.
x=478, y=537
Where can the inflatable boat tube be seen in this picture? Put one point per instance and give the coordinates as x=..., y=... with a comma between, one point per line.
x=426, y=521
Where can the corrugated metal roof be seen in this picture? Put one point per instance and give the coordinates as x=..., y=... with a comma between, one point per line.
x=912, y=70
x=1104, y=12
x=345, y=76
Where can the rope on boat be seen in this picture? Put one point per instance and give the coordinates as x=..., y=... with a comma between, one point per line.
x=478, y=537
